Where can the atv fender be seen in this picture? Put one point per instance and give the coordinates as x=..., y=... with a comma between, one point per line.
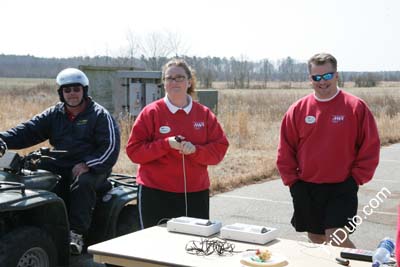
x=108, y=210
x=36, y=208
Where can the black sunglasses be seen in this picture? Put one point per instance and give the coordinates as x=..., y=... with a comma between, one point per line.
x=327, y=76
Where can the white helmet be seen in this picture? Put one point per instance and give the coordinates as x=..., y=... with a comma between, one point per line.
x=72, y=76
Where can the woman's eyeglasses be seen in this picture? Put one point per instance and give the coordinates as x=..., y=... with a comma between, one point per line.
x=68, y=90
x=327, y=76
x=177, y=79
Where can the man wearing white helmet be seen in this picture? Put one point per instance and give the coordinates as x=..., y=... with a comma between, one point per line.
x=91, y=138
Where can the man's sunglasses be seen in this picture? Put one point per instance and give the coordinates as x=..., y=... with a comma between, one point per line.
x=327, y=76
x=68, y=90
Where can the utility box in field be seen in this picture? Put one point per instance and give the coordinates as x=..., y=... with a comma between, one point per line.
x=129, y=90
x=142, y=88
x=209, y=98
x=123, y=90
x=102, y=84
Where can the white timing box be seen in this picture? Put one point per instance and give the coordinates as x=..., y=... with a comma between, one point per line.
x=249, y=233
x=194, y=226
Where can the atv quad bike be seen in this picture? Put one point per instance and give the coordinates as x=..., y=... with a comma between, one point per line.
x=34, y=227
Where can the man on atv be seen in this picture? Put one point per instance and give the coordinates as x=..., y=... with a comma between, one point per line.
x=91, y=138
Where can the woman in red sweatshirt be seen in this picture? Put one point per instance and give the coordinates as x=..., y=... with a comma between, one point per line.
x=173, y=140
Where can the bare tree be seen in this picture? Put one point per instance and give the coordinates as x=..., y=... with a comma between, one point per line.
x=134, y=46
x=178, y=46
x=241, y=71
x=286, y=69
x=156, y=49
x=266, y=70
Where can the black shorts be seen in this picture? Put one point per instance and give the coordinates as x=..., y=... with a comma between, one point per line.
x=156, y=206
x=318, y=207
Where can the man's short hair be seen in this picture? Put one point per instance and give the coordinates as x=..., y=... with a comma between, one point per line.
x=321, y=59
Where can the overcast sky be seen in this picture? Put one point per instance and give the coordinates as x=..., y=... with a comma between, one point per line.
x=360, y=33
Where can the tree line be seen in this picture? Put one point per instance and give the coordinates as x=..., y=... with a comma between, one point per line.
x=235, y=72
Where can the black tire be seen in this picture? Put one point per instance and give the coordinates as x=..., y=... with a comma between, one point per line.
x=27, y=247
x=128, y=220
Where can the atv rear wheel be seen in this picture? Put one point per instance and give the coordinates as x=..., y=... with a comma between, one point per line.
x=27, y=247
x=128, y=220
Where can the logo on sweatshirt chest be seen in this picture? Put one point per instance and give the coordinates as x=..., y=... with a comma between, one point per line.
x=310, y=119
x=337, y=118
x=81, y=122
x=197, y=125
x=164, y=129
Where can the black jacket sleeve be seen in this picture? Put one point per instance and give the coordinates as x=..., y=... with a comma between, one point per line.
x=28, y=133
x=107, y=139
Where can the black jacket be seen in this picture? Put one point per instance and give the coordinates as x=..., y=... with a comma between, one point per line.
x=93, y=137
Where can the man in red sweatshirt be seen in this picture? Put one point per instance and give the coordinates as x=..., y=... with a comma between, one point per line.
x=329, y=145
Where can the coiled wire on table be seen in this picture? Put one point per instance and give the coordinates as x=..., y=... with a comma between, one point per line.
x=206, y=247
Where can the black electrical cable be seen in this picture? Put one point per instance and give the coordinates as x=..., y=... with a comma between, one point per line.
x=206, y=247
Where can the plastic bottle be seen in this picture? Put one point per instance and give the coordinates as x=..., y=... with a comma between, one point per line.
x=383, y=252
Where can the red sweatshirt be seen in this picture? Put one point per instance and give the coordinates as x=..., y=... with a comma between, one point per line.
x=326, y=142
x=160, y=165
x=397, y=247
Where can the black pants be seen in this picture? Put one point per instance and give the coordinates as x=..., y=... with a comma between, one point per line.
x=318, y=207
x=79, y=194
x=156, y=206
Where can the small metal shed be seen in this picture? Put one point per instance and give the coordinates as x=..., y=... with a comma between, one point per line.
x=128, y=90
x=123, y=90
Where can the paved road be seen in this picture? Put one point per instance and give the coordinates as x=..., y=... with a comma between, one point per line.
x=269, y=204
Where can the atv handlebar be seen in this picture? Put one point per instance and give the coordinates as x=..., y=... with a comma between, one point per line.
x=31, y=160
x=44, y=153
x=3, y=147
x=15, y=163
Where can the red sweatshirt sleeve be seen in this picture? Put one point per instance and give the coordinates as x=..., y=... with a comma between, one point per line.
x=368, y=143
x=286, y=159
x=398, y=236
x=140, y=149
x=217, y=144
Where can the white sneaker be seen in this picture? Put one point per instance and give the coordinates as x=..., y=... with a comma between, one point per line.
x=76, y=243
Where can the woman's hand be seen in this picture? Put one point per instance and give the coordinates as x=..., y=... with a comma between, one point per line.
x=175, y=142
x=184, y=147
x=187, y=148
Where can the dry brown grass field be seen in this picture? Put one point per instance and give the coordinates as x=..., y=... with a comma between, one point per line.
x=251, y=119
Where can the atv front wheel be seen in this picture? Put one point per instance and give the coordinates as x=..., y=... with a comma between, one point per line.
x=27, y=247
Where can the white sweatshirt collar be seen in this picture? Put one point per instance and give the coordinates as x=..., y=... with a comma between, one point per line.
x=327, y=99
x=175, y=109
